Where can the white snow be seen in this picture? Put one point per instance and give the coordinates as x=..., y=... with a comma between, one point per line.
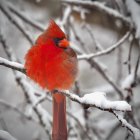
x=82, y=11
x=10, y=63
x=100, y=6
x=134, y=130
x=126, y=84
x=99, y=99
x=45, y=116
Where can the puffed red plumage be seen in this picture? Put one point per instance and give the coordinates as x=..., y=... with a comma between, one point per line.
x=53, y=66
x=50, y=66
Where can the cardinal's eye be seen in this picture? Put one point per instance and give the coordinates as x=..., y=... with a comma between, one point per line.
x=61, y=42
x=57, y=40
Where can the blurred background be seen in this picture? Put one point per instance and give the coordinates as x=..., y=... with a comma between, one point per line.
x=92, y=26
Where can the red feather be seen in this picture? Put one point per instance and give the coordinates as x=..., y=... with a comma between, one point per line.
x=53, y=66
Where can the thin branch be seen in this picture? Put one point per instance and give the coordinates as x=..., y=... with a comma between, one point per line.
x=4, y=135
x=29, y=92
x=100, y=7
x=25, y=18
x=79, y=124
x=77, y=98
x=97, y=44
x=108, y=78
x=137, y=67
x=12, y=65
x=9, y=106
x=129, y=56
x=89, y=100
x=14, y=22
x=135, y=131
x=112, y=131
x=107, y=51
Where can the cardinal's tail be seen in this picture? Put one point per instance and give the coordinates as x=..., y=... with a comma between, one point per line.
x=59, y=131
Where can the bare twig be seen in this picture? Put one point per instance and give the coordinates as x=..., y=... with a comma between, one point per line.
x=97, y=44
x=107, y=51
x=129, y=56
x=9, y=106
x=106, y=77
x=112, y=131
x=137, y=67
x=14, y=22
x=100, y=7
x=25, y=18
x=76, y=98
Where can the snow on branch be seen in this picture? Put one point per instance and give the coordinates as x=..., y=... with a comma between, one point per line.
x=107, y=51
x=28, y=90
x=132, y=79
x=96, y=99
x=99, y=100
x=135, y=131
x=99, y=6
x=12, y=65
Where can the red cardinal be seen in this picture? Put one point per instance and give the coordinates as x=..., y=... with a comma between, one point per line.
x=53, y=65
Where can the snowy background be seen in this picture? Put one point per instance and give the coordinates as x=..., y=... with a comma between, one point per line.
x=106, y=36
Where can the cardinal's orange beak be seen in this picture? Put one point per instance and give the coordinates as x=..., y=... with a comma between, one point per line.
x=64, y=43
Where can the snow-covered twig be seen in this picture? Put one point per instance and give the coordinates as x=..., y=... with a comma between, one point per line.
x=100, y=7
x=66, y=15
x=29, y=92
x=134, y=130
x=98, y=100
x=131, y=80
x=14, y=22
x=82, y=100
x=12, y=65
x=99, y=69
x=107, y=51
